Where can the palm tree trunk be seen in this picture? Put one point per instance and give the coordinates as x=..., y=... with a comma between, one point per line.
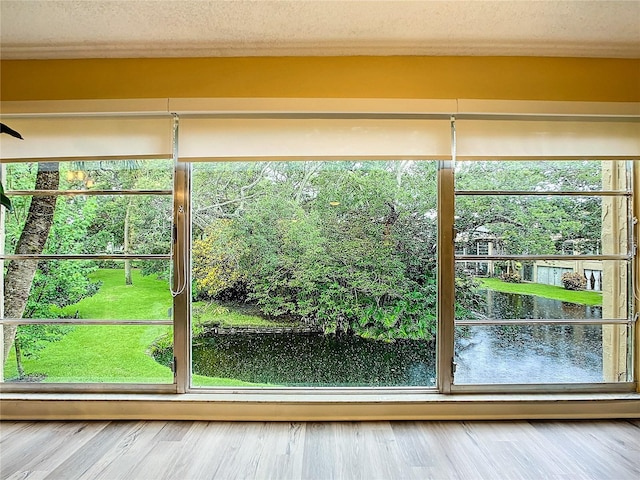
x=19, y=276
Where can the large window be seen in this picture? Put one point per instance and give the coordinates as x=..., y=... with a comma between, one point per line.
x=87, y=252
x=552, y=278
x=314, y=273
x=421, y=253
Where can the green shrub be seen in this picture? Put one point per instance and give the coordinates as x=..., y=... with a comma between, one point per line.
x=511, y=277
x=573, y=281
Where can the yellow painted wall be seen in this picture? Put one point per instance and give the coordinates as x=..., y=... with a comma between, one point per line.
x=511, y=78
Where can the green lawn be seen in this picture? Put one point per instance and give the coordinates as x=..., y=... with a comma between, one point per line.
x=206, y=312
x=108, y=353
x=117, y=353
x=547, y=291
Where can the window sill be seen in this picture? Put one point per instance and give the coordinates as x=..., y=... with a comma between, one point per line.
x=316, y=407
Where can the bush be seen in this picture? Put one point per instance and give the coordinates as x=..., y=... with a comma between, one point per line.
x=511, y=277
x=573, y=281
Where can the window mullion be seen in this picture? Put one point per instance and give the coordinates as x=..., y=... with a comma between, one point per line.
x=446, y=270
x=181, y=271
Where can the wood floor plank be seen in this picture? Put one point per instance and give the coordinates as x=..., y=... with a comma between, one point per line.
x=561, y=450
x=77, y=464
x=320, y=445
x=582, y=448
x=209, y=446
x=28, y=475
x=61, y=440
x=9, y=428
x=126, y=453
x=289, y=461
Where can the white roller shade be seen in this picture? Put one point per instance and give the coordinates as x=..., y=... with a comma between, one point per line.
x=87, y=137
x=202, y=139
x=559, y=139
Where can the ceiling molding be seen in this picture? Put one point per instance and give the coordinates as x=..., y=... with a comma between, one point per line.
x=328, y=49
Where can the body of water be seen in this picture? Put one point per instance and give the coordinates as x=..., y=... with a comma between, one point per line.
x=314, y=359
x=558, y=353
x=525, y=353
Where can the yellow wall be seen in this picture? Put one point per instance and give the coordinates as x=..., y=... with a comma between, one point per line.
x=511, y=78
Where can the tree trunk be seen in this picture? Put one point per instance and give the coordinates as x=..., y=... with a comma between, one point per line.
x=19, y=366
x=20, y=273
x=128, y=280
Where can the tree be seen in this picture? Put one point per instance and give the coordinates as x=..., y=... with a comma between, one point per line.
x=56, y=283
x=19, y=275
x=344, y=246
x=530, y=224
x=135, y=224
x=218, y=257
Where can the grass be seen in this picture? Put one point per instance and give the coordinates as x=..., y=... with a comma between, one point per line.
x=119, y=353
x=107, y=353
x=206, y=312
x=582, y=297
x=147, y=299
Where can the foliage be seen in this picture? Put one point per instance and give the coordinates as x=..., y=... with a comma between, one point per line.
x=344, y=247
x=573, y=281
x=34, y=338
x=55, y=283
x=510, y=277
x=531, y=225
x=218, y=259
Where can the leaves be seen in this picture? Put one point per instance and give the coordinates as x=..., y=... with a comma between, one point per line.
x=4, y=200
x=343, y=246
x=10, y=131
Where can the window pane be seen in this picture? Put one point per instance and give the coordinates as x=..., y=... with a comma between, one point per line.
x=91, y=353
x=535, y=176
x=96, y=175
x=559, y=353
x=79, y=290
x=537, y=290
x=527, y=225
x=570, y=288
x=314, y=273
x=95, y=290
x=102, y=225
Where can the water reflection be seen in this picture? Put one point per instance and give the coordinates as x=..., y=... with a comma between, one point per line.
x=313, y=359
x=501, y=305
x=530, y=353
x=485, y=354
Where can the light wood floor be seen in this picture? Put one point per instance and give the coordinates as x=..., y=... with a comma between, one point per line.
x=364, y=450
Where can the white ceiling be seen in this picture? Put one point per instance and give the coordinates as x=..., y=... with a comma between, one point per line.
x=168, y=28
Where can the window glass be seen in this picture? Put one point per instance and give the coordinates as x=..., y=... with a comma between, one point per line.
x=539, y=307
x=114, y=219
x=530, y=225
x=533, y=353
x=535, y=176
x=314, y=273
x=72, y=353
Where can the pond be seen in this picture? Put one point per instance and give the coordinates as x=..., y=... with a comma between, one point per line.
x=314, y=359
x=484, y=354
x=559, y=353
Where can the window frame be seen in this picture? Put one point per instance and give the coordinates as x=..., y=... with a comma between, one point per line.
x=446, y=267
x=129, y=387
